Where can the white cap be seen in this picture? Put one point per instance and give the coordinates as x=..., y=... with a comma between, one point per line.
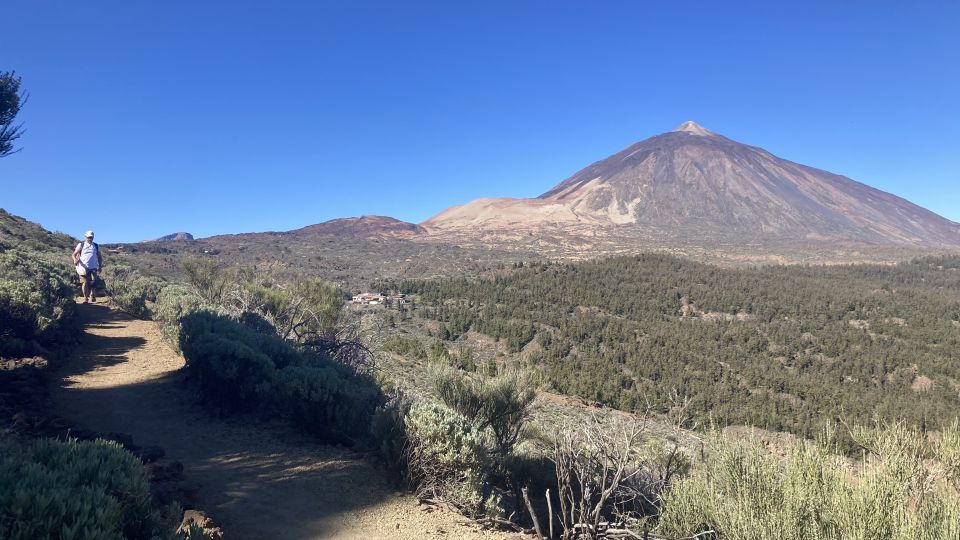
x=89, y=234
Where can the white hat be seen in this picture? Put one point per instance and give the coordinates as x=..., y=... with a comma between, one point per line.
x=89, y=234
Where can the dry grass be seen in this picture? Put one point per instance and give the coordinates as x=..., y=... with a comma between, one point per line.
x=904, y=486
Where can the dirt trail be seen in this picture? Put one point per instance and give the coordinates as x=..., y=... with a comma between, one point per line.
x=257, y=481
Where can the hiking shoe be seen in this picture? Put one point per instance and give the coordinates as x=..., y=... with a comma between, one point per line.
x=85, y=300
x=93, y=299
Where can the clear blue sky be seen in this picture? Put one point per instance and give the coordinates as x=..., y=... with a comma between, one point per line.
x=147, y=118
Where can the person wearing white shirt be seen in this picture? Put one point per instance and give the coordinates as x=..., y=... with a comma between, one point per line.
x=86, y=257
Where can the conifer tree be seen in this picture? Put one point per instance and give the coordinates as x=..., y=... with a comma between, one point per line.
x=11, y=100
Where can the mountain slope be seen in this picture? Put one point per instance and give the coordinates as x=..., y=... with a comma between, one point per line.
x=174, y=237
x=705, y=185
x=362, y=227
x=16, y=231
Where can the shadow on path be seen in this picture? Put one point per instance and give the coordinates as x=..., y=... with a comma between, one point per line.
x=258, y=480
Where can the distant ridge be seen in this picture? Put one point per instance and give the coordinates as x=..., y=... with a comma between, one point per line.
x=364, y=227
x=699, y=186
x=175, y=236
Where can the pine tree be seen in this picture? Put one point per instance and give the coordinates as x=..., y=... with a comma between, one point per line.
x=11, y=100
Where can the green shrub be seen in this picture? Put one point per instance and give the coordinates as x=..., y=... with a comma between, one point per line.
x=742, y=492
x=388, y=432
x=223, y=355
x=438, y=453
x=500, y=403
x=464, y=359
x=447, y=458
x=36, y=301
x=239, y=368
x=281, y=352
x=947, y=452
x=405, y=346
x=76, y=490
x=325, y=402
x=305, y=311
x=173, y=303
x=209, y=278
x=131, y=290
x=438, y=353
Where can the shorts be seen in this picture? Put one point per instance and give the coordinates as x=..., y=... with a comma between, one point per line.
x=90, y=277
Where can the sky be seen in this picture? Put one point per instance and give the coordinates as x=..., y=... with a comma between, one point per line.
x=146, y=118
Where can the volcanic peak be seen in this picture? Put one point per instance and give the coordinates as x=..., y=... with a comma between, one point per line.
x=694, y=129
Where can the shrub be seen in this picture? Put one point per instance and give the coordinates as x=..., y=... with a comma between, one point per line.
x=131, y=290
x=54, y=489
x=947, y=452
x=36, y=302
x=463, y=359
x=175, y=302
x=209, y=278
x=438, y=353
x=388, y=432
x=223, y=355
x=325, y=402
x=447, y=459
x=405, y=346
x=240, y=368
x=742, y=492
x=305, y=311
x=500, y=403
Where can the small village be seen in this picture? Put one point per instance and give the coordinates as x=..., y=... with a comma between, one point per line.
x=378, y=299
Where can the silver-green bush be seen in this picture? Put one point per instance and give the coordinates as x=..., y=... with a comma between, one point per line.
x=36, y=301
x=500, y=403
x=447, y=458
x=131, y=290
x=898, y=490
x=76, y=490
x=175, y=302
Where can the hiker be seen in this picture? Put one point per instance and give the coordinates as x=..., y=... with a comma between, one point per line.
x=86, y=257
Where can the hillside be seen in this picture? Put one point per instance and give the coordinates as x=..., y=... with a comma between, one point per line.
x=703, y=186
x=786, y=348
x=16, y=231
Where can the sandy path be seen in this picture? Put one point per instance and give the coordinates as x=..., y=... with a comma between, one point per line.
x=257, y=481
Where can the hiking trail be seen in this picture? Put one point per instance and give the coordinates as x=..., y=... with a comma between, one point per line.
x=256, y=480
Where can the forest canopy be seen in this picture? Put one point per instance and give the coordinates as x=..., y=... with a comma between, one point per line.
x=783, y=348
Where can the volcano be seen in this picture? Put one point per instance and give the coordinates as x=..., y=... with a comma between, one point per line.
x=704, y=185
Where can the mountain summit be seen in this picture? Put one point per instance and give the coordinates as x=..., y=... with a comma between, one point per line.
x=702, y=185
x=175, y=236
x=694, y=128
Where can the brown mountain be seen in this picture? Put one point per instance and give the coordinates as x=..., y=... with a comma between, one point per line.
x=363, y=227
x=175, y=236
x=701, y=185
